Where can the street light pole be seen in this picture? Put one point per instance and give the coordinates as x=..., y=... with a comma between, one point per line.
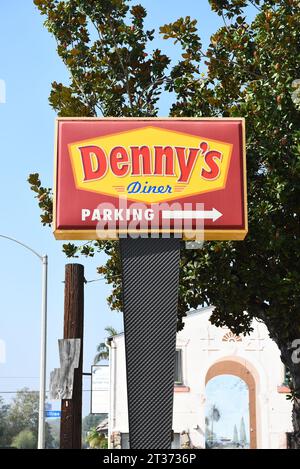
x=43, y=345
x=43, y=355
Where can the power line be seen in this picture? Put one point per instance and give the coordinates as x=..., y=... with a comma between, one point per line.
x=19, y=390
x=34, y=391
x=19, y=377
x=96, y=280
x=100, y=279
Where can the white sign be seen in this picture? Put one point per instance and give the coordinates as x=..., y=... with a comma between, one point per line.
x=100, y=389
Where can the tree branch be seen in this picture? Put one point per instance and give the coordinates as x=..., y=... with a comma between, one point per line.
x=226, y=26
x=125, y=70
x=86, y=99
x=255, y=6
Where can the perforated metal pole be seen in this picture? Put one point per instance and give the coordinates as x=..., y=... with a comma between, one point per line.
x=150, y=302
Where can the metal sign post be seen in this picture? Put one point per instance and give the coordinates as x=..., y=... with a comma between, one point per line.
x=150, y=302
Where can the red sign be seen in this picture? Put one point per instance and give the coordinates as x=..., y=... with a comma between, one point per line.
x=149, y=176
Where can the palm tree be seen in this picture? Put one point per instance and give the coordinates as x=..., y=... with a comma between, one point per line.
x=214, y=416
x=102, y=349
x=208, y=436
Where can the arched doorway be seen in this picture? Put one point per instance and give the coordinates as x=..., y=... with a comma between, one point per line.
x=237, y=375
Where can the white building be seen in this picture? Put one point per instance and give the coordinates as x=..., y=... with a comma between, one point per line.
x=203, y=353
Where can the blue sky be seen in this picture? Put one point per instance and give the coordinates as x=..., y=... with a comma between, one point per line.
x=28, y=65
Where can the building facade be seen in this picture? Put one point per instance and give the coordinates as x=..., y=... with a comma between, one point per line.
x=203, y=353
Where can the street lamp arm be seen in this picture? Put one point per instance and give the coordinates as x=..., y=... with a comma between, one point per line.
x=22, y=244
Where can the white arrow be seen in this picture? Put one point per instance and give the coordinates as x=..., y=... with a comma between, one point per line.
x=213, y=214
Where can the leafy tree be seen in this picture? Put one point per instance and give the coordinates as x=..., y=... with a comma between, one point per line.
x=4, y=437
x=89, y=423
x=251, y=70
x=92, y=421
x=96, y=440
x=54, y=428
x=23, y=415
x=24, y=440
x=102, y=349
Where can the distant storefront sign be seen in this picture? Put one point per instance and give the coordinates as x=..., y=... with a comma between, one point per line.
x=54, y=414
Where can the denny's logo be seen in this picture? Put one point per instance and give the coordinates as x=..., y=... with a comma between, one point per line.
x=150, y=164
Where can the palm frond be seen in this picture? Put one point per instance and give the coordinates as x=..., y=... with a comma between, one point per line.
x=111, y=331
x=102, y=348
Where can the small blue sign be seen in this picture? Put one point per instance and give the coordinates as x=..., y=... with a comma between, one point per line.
x=53, y=414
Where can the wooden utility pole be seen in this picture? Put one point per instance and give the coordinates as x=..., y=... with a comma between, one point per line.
x=71, y=415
